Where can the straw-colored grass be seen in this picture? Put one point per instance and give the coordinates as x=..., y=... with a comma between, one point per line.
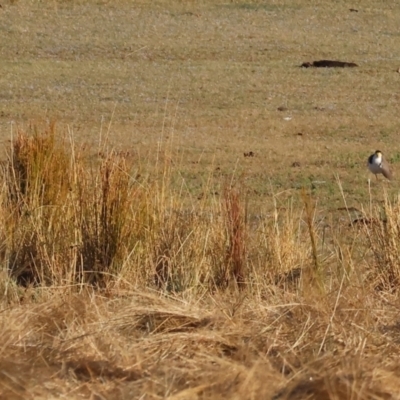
x=115, y=288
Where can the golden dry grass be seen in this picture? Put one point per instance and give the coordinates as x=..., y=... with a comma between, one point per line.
x=113, y=288
x=138, y=344
x=143, y=255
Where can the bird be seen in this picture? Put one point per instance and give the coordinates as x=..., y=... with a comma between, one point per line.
x=378, y=165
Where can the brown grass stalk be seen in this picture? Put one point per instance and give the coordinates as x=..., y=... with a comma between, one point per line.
x=234, y=270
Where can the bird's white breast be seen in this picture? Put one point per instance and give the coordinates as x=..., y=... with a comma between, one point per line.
x=375, y=165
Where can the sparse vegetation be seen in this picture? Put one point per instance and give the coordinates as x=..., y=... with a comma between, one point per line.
x=216, y=238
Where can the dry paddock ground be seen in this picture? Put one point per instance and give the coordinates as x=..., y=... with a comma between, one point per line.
x=192, y=86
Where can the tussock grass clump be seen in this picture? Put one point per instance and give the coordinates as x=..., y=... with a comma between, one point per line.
x=64, y=221
x=36, y=182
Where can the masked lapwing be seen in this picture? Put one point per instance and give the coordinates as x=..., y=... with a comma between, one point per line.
x=378, y=165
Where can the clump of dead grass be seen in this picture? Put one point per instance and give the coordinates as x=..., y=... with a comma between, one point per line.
x=65, y=222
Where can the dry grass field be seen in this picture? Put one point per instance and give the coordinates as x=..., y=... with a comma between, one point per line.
x=186, y=213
